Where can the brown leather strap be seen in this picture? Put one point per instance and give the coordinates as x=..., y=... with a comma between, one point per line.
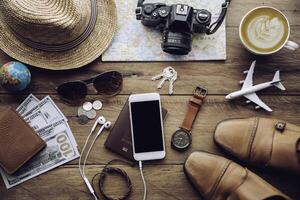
x=194, y=106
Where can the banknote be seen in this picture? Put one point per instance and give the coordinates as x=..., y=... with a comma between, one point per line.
x=52, y=126
x=37, y=120
x=55, y=127
x=48, y=109
x=30, y=102
x=59, y=151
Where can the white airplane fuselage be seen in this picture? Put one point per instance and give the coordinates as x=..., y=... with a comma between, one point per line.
x=249, y=90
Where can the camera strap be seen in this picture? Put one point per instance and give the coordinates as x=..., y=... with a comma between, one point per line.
x=216, y=25
x=140, y=3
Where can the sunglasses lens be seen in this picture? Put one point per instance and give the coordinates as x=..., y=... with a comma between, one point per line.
x=72, y=92
x=109, y=83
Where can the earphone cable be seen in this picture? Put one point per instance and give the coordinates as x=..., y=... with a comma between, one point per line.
x=82, y=168
x=105, y=171
x=87, y=155
x=83, y=149
x=143, y=179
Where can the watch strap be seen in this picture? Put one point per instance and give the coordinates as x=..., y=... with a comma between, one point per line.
x=194, y=105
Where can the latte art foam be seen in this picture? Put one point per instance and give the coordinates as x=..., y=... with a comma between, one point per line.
x=265, y=32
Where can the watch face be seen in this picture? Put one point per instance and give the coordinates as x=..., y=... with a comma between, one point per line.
x=181, y=139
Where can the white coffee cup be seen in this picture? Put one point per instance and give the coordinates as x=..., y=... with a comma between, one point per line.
x=260, y=14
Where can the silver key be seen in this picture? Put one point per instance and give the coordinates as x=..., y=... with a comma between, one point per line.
x=158, y=76
x=164, y=73
x=168, y=74
x=162, y=82
x=171, y=83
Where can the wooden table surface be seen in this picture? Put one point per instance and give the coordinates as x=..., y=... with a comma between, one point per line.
x=165, y=179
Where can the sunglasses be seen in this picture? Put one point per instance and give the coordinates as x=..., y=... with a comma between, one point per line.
x=107, y=84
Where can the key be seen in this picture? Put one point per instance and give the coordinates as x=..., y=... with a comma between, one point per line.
x=162, y=82
x=168, y=74
x=158, y=76
x=161, y=75
x=171, y=83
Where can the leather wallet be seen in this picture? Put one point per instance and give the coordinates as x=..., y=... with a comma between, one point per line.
x=18, y=141
x=119, y=139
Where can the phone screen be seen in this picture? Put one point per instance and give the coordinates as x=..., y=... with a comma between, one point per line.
x=147, y=128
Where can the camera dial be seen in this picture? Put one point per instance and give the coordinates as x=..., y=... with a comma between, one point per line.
x=155, y=14
x=148, y=9
x=164, y=11
x=203, y=16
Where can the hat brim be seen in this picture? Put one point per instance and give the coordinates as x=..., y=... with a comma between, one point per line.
x=79, y=56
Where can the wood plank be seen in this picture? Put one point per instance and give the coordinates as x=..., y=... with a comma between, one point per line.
x=215, y=110
x=163, y=182
x=166, y=179
x=218, y=77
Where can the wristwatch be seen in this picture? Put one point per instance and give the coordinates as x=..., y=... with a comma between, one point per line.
x=182, y=138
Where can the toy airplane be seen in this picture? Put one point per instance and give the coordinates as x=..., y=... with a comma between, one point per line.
x=248, y=89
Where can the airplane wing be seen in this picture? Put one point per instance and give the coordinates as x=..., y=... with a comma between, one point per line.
x=255, y=99
x=249, y=79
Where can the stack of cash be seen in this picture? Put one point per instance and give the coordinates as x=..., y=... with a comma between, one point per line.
x=52, y=126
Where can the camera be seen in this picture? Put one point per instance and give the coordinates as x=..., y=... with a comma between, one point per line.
x=178, y=23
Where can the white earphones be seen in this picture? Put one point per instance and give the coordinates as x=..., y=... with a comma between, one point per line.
x=101, y=120
x=105, y=125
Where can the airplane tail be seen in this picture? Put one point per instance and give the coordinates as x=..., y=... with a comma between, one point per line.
x=277, y=82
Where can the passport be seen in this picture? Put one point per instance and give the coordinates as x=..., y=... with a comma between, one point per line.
x=119, y=139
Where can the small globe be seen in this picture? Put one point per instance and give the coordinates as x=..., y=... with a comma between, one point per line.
x=14, y=76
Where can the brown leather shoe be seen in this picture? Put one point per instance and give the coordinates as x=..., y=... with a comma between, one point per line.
x=261, y=142
x=217, y=178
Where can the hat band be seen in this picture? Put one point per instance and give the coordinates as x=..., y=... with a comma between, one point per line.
x=66, y=46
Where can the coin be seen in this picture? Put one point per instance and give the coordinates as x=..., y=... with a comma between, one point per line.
x=97, y=105
x=81, y=111
x=91, y=114
x=87, y=106
x=83, y=119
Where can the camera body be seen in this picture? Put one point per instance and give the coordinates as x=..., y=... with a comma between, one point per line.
x=178, y=23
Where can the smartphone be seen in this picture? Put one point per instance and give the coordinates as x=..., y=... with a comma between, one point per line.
x=146, y=127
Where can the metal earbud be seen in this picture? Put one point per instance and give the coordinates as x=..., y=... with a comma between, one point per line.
x=107, y=125
x=101, y=120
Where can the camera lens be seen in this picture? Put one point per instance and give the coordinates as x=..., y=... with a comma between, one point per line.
x=176, y=43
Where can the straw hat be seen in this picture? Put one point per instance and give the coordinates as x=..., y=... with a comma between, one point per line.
x=56, y=34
